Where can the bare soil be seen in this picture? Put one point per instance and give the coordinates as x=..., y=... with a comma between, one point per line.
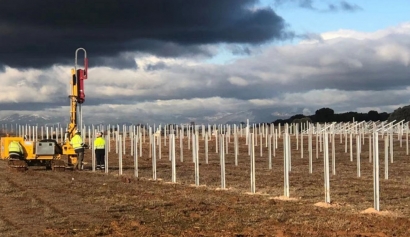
x=40, y=202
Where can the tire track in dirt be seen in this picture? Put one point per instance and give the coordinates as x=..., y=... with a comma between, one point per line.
x=10, y=207
x=39, y=202
x=54, y=186
x=34, y=196
x=7, y=221
x=61, y=196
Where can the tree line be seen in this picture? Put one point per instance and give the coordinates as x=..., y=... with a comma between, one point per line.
x=325, y=115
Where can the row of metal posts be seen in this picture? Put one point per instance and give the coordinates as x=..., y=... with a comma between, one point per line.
x=287, y=153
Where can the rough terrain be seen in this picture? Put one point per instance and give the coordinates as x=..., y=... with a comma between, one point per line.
x=40, y=202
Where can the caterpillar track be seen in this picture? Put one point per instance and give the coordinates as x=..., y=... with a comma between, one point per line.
x=21, y=165
x=17, y=165
x=58, y=165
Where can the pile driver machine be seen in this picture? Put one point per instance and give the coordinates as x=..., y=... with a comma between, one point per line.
x=48, y=152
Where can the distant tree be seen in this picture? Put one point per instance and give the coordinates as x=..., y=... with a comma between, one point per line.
x=297, y=116
x=328, y=115
x=400, y=114
x=384, y=116
x=346, y=117
x=305, y=120
x=280, y=121
x=373, y=115
x=301, y=121
x=324, y=115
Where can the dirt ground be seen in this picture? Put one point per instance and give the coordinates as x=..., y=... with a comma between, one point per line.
x=40, y=202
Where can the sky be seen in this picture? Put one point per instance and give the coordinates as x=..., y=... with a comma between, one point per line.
x=206, y=61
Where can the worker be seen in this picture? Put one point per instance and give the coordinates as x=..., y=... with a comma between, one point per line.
x=78, y=145
x=15, y=150
x=99, y=146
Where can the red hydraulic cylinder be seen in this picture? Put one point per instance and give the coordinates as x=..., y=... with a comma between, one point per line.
x=82, y=75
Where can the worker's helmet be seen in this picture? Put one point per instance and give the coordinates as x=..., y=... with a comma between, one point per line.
x=77, y=131
x=99, y=134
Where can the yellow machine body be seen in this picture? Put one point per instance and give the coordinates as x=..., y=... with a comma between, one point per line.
x=68, y=150
x=28, y=148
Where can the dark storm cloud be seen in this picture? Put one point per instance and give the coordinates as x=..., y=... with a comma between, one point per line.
x=119, y=62
x=222, y=89
x=39, y=33
x=169, y=49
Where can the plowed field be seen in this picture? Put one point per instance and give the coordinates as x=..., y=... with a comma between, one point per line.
x=40, y=202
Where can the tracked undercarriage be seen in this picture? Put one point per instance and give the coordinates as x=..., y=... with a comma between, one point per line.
x=23, y=165
x=17, y=165
x=58, y=165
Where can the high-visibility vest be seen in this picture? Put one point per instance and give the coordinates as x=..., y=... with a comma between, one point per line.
x=77, y=142
x=99, y=143
x=15, y=146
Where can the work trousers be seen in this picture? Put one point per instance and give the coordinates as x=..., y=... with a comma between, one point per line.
x=100, y=157
x=80, y=158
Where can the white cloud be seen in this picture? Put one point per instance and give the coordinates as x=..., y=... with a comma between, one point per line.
x=238, y=81
x=394, y=52
x=346, y=71
x=403, y=28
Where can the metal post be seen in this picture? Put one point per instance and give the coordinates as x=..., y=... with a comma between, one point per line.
x=196, y=160
x=93, y=156
x=181, y=147
x=310, y=150
x=222, y=160
x=326, y=168
x=120, y=156
x=252, y=143
x=376, y=172
x=154, y=161
x=135, y=144
x=386, y=157
x=206, y=147
x=286, y=162
x=107, y=141
x=172, y=143
x=358, y=154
